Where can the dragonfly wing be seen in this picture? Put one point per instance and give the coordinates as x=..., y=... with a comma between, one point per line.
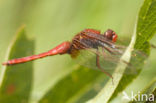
x=108, y=61
x=109, y=54
x=115, y=58
x=87, y=58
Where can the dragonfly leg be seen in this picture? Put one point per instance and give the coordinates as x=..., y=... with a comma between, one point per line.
x=99, y=67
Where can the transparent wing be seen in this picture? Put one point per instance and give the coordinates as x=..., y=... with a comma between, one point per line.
x=109, y=58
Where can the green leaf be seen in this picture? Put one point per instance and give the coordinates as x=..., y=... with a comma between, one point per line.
x=16, y=80
x=145, y=30
x=150, y=91
x=70, y=86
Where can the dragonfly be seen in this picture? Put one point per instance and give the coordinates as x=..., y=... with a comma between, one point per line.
x=101, y=46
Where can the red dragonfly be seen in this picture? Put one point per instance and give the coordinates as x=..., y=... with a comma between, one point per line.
x=85, y=40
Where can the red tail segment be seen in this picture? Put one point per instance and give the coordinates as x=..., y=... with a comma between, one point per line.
x=60, y=49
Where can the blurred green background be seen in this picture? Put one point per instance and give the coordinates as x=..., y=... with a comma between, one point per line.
x=50, y=22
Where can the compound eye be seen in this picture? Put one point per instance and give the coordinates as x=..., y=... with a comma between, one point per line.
x=111, y=35
x=114, y=37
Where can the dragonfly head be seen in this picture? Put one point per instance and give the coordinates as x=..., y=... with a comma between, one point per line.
x=111, y=35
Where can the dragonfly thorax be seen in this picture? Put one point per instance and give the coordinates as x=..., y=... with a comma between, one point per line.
x=90, y=38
